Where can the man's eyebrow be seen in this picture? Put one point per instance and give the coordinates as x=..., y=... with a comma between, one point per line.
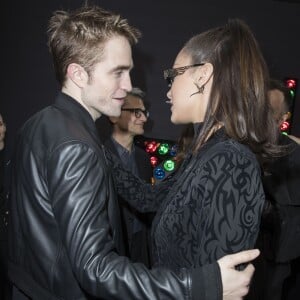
x=122, y=67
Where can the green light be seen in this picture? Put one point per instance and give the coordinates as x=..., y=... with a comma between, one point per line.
x=163, y=149
x=292, y=93
x=169, y=165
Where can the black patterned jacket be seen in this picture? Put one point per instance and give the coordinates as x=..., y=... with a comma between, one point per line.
x=211, y=207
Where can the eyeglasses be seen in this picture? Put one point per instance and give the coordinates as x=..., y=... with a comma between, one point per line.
x=137, y=112
x=170, y=74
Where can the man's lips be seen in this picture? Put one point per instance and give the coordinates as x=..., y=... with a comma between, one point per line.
x=120, y=99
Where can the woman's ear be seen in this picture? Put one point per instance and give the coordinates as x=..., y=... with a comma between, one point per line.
x=204, y=73
x=77, y=74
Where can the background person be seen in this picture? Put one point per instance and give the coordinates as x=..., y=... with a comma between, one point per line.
x=124, y=129
x=279, y=238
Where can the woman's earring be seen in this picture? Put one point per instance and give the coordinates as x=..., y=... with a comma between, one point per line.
x=200, y=90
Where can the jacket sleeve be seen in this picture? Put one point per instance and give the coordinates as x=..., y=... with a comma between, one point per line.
x=144, y=197
x=233, y=200
x=79, y=191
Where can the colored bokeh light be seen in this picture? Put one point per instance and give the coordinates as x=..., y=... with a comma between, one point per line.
x=151, y=146
x=153, y=161
x=163, y=149
x=162, y=154
x=285, y=126
x=290, y=83
x=159, y=173
x=169, y=165
x=173, y=150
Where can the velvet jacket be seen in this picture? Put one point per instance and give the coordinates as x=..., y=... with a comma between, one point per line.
x=211, y=207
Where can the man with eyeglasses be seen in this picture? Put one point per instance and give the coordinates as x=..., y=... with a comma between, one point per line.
x=125, y=128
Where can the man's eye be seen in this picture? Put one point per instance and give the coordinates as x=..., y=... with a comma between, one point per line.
x=119, y=73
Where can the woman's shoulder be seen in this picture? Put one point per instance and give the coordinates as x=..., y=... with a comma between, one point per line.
x=231, y=149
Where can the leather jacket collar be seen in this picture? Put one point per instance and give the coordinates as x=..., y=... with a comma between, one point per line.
x=75, y=110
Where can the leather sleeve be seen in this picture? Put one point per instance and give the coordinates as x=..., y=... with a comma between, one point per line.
x=79, y=191
x=210, y=285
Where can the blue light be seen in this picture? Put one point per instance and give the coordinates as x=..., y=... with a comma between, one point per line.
x=159, y=173
x=173, y=150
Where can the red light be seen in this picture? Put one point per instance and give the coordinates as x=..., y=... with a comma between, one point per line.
x=284, y=126
x=290, y=83
x=151, y=147
x=153, y=161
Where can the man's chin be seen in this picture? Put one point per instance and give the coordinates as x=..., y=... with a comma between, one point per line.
x=174, y=120
x=139, y=132
x=115, y=113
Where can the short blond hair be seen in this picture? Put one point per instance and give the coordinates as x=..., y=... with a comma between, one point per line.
x=76, y=37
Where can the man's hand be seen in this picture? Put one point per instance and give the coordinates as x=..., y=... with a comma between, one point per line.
x=236, y=283
x=296, y=139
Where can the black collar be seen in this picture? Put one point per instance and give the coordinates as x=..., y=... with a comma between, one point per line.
x=76, y=111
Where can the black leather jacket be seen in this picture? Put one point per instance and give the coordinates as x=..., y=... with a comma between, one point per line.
x=64, y=236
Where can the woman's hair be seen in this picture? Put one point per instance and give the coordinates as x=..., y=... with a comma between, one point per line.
x=238, y=98
x=184, y=142
x=78, y=37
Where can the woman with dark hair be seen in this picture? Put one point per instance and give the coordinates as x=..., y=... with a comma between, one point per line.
x=212, y=206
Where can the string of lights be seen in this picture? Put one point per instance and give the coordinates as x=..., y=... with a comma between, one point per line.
x=291, y=84
x=162, y=156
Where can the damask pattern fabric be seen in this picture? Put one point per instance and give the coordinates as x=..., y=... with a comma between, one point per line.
x=211, y=207
x=214, y=208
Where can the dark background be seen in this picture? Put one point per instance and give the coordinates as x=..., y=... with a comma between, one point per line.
x=28, y=82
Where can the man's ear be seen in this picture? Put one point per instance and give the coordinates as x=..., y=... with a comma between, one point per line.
x=77, y=74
